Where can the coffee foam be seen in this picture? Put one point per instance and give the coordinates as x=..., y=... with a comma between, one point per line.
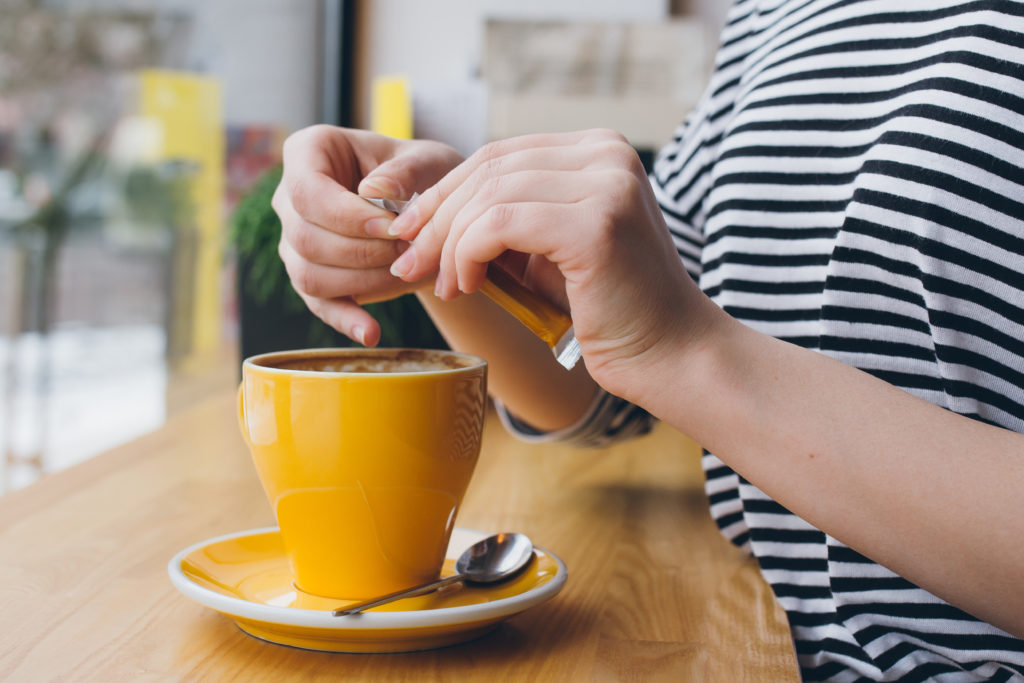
x=376, y=361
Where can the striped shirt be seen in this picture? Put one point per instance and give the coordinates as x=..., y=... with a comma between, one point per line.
x=853, y=182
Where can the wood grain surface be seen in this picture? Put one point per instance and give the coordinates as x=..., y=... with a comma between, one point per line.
x=654, y=593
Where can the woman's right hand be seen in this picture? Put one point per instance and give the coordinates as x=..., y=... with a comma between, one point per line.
x=335, y=245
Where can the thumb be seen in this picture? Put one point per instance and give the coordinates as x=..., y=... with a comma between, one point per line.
x=416, y=166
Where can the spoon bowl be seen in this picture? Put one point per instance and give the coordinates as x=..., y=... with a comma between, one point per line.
x=489, y=560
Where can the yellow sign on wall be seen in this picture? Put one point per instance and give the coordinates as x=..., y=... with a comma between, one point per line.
x=391, y=107
x=189, y=110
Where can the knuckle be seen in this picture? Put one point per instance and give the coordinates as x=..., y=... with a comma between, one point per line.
x=624, y=179
x=432, y=196
x=395, y=248
x=637, y=184
x=490, y=188
x=623, y=154
x=613, y=194
x=301, y=195
x=385, y=253
x=302, y=241
x=435, y=236
x=617, y=154
x=289, y=145
x=621, y=185
x=319, y=132
x=366, y=252
x=609, y=135
x=492, y=151
x=305, y=279
x=500, y=216
x=622, y=188
x=605, y=226
x=310, y=135
x=292, y=142
x=276, y=199
x=493, y=167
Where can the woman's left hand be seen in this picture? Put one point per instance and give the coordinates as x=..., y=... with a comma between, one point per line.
x=574, y=216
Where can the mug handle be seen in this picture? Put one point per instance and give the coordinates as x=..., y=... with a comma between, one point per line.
x=241, y=414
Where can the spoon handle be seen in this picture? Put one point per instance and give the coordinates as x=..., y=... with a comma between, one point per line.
x=422, y=589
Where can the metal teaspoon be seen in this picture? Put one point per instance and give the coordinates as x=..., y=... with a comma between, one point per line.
x=489, y=560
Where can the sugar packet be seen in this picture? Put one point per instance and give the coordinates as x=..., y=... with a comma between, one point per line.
x=539, y=315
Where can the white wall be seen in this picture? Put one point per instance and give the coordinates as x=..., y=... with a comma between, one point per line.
x=263, y=51
x=438, y=45
x=437, y=41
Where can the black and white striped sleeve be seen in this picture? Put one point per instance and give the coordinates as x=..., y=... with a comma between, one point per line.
x=609, y=420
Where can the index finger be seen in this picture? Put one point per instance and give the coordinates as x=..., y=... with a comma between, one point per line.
x=322, y=201
x=422, y=210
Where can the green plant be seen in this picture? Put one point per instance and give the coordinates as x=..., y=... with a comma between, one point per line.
x=255, y=232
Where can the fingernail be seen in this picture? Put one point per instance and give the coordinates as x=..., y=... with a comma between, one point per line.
x=359, y=334
x=405, y=221
x=439, y=285
x=383, y=185
x=404, y=263
x=377, y=227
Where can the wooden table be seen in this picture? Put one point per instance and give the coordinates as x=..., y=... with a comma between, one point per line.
x=654, y=593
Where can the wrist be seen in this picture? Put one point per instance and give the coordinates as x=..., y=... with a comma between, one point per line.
x=688, y=368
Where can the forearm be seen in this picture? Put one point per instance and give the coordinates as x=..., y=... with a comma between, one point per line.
x=928, y=493
x=523, y=373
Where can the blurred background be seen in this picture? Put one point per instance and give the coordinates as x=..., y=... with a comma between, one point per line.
x=140, y=142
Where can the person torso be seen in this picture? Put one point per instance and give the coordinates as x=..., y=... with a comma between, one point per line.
x=853, y=183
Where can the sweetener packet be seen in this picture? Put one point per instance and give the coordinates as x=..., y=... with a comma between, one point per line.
x=539, y=315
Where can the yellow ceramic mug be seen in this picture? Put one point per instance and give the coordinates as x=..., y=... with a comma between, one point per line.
x=365, y=455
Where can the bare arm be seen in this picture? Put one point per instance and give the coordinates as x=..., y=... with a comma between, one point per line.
x=930, y=494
